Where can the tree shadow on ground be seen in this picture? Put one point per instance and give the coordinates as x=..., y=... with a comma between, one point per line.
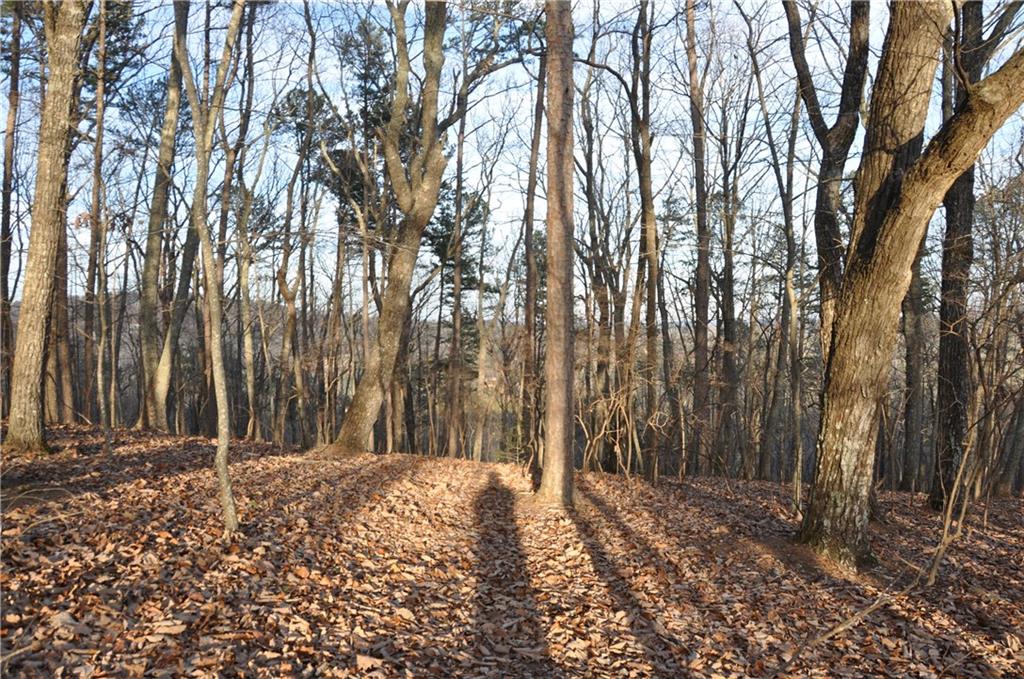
x=183, y=559
x=508, y=634
x=662, y=650
x=80, y=465
x=755, y=533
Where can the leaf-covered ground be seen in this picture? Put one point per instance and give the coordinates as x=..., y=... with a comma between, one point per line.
x=407, y=566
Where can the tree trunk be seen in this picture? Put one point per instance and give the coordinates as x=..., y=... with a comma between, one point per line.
x=63, y=27
x=153, y=412
x=13, y=100
x=455, y=410
x=782, y=424
x=835, y=142
x=702, y=292
x=914, y=410
x=954, y=378
x=416, y=193
x=556, y=486
x=204, y=115
x=59, y=389
x=892, y=210
x=528, y=408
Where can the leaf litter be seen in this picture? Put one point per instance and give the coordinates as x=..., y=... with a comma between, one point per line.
x=398, y=565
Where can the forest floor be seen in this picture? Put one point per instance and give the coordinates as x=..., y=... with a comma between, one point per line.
x=408, y=566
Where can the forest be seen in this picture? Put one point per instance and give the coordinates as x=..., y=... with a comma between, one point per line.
x=512, y=338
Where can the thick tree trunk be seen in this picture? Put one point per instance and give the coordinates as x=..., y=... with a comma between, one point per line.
x=364, y=410
x=556, y=485
x=63, y=26
x=892, y=210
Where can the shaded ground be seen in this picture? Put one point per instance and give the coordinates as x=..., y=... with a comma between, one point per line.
x=400, y=566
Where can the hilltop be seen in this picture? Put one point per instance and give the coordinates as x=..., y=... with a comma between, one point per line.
x=400, y=565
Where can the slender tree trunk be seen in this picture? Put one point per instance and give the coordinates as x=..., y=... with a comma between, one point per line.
x=731, y=430
x=204, y=115
x=702, y=292
x=63, y=27
x=779, y=440
x=556, y=484
x=289, y=292
x=98, y=247
x=914, y=410
x=60, y=391
x=455, y=410
x=528, y=408
x=641, y=142
x=13, y=101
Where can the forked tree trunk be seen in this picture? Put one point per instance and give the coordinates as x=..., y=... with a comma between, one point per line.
x=556, y=485
x=891, y=212
x=204, y=116
x=416, y=193
x=835, y=142
x=63, y=28
x=153, y=411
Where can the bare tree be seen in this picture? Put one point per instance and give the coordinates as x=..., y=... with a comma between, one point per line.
x=972, y=52
x=702, y=289
x=416, y=184
x=835, y=142
x=206, y=110
x=13, y=100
